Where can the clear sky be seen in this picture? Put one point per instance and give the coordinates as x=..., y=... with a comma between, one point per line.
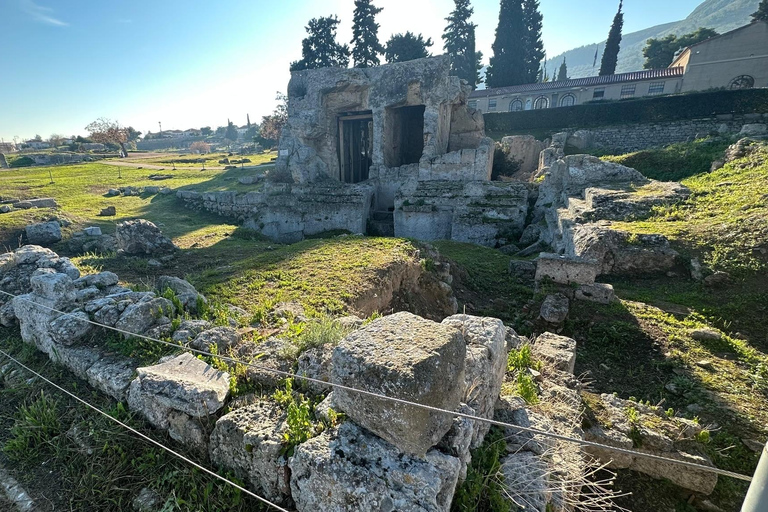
x=192, y=63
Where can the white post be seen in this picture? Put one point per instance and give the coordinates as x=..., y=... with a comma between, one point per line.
x=757, y=495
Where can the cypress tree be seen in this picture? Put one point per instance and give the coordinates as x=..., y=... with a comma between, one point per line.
x=762, y=12
x=613, y=44
x=508, y=63
x=459, y=38
x=534, y=46
x=365, y=35
x=562, y=75
x=320, y=49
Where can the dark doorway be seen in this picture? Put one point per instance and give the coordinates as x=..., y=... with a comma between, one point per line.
x=355, y=146
x=405, y=130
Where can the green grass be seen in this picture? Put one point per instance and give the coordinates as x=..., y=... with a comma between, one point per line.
x=196, y=161
x=674, y=162
x=725, y=220
x=71, y=458
x=483, y=489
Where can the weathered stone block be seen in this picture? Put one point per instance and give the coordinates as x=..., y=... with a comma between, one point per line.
x=558, y=351
x=43, y=233
x=406, y=357
x=598, y=292
x=566, y=270
x=350, y=469
x=186, y=384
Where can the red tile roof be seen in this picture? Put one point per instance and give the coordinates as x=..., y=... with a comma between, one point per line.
x=648, y=74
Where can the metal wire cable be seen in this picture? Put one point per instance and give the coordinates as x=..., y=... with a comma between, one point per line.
x=144, y=436
x=401, y=401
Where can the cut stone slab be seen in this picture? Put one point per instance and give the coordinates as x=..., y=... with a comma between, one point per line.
x=92, y=231
x=112, y=375
x=556, y=350
x=598, y=292
x=186, y=384
x=350, y=469
x=566, y=270
x=407, y=357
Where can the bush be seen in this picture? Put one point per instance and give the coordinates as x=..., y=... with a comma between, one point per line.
x=502, y=166
x=22, y=161
x=663, y=109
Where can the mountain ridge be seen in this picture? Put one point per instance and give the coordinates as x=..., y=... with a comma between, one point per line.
x=721, y=15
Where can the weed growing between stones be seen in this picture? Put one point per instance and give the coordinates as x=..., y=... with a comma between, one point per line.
x=298, y=417
x=483, y=490
x=519, y=362
x=320, y=331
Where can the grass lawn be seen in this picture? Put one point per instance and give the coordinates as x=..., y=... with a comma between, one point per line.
x=190, y=160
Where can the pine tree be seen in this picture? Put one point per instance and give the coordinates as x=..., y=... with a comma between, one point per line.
x=762, y=12
x=408, y=46
x=613, y=44
x=365, y=35
x=459, y=37
x=562, y=75
x=534, y=46
x=320, y=49
x=508, y=63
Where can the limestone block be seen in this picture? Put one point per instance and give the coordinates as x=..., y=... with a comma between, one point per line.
x=68, y=329
x=186, y=384
x=566, y=270
x=351, y=469
x=142, y=237
x=139, y=317
x=186, y=293
x=525, y=480
x=597, y=292
x=189, y=329
x=92, y=231
x=43, y=233
x=315, y=363
x=249, y=442
x=484, y=367
x=112, y=375
x=222, y=338
x=406, y=357
x=558, y=351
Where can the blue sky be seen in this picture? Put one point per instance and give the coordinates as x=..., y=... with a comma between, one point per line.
x=191, y=64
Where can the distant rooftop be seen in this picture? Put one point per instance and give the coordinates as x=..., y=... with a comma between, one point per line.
x=647, y=74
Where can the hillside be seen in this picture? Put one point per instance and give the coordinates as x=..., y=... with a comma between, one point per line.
x=721, y=15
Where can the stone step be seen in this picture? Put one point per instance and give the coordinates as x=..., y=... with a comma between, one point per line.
x=381, y=227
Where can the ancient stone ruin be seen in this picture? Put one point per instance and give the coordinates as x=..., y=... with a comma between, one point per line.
x=381, y=455
x=390, y=150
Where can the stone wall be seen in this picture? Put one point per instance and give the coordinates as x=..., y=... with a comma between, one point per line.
x=636, y=137
x=288, y=213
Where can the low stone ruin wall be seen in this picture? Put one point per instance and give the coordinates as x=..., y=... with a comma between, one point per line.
x=488, y=213
x=636, y=137
x=288, y=213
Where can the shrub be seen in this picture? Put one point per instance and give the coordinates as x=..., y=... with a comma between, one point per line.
x=22, y=161
x=502, y=166
x=662, y=109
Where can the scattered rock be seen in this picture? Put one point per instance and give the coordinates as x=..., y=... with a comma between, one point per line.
x=753, y=444
x=558, y=351
x=222, y=337
x=5, y=208
x=407, y=357
x=597, y=292
x=113, y=192
x=717, y=279
x=151, y=190
x=350, y=322
x=288, y=311
x=109, y=211
x=43, y=233
x=189, y=329
x=185, y=292
x=147, y=501
x=43, y=202
x=554, y=309
x=142, y=237
x=92, y=231
x=697, y=272
x=706, y=335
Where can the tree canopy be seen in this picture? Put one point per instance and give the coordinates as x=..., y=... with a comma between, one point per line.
x=659, y=53
x=107, y=131
x=761, y=14
x=365, y=35
x=272, y=125
x=231, y=132
x=508, y=65
x=459, y=43
x=408, y=46
x=534, y=46
x=613, y=44
x=320, y=49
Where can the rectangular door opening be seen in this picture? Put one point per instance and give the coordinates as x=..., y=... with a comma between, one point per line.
x=355, y=146
x=405, y=130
